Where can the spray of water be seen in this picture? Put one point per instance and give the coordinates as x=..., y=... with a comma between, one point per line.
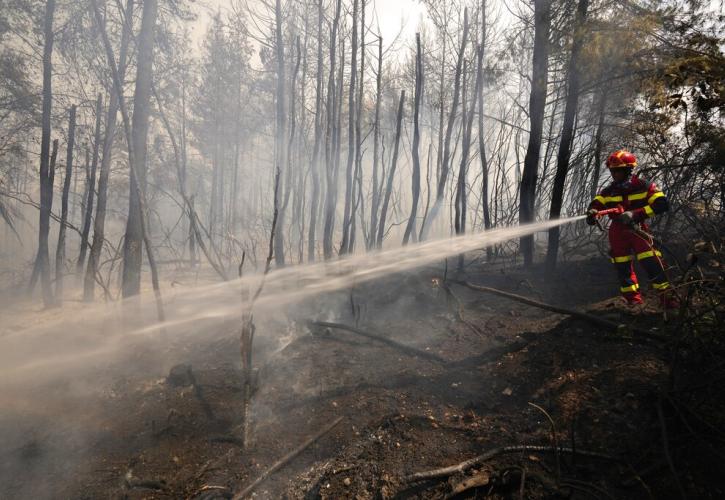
x=105, y=329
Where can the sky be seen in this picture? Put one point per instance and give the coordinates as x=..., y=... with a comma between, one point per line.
x=394, y=17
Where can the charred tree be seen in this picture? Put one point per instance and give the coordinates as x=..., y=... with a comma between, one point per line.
x=357, y=179
x=410, y=228
x=598, y=143
x=567, y=132
x=60, y=249
x=42, y=260
x=281, y=110
x=314, y=166
x=289, y=177
x=481, y=142
x=88, y=216
x=446, y=160
x=330, y=143
x=132, y=256
x=345, y=245
x=375, y=202
x=391, y=173
x=99, y=223
x=537, y=102
x=147, y=23
x=461, y=201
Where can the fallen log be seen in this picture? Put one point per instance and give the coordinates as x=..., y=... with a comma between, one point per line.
x=467, y=464
x=285, y=459
x=412, y=351
x=559, y=310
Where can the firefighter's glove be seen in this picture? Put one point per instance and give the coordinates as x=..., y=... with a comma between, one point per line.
x=592, y=216
x=626, y=218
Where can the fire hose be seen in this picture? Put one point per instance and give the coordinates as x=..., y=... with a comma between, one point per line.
x=637, y=229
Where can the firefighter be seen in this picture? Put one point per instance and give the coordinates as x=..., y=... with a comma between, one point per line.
x=639, y=200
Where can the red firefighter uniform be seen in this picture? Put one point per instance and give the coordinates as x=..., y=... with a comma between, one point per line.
x=640, y=199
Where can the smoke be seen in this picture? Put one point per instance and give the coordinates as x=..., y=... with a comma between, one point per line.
x=55, y=372
x=100, y=331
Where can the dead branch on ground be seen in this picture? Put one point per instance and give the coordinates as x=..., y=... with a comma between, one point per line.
x=560, y=310
x=412, y=351
x=286, y=459
x=467, y=464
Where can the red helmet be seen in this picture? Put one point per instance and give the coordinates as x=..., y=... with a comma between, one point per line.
x=621, y=159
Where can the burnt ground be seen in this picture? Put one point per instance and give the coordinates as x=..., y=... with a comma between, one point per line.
x=606, y=391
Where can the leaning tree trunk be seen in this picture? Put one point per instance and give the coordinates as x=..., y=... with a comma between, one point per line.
x=42, y=261
x=537, y=102
x=391, y=173
x=445, y=162
x=567, y=133
x=345, y=245
x=99, y=223
x=410, y=228
x=132, y=256
x=314, y=167
x=91, y=189
x=60, y=249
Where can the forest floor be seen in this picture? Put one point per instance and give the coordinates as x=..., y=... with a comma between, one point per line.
x=402, y=411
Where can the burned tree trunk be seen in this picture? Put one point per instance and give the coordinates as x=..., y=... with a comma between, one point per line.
x=410, y=228
x=314, y=167
x=42, y=261
x=193, y=231
x=537, y=102
x=60, y=249
x=376, y=149
x=281, y=109
x=481, y=142
x=132, y=256
x=461, y=204
x=91, y=189
x=391, y=173
x=99, y=222
x=330, y=143
x=147, y=23
x=598, y=146
x=345, y=245
x=567, y=133
x=357, y=198
x=292, y=131
x=461, y=180
x=445, y=162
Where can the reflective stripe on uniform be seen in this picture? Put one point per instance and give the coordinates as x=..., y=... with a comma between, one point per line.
x=648, y=210
x=631, y=288
x=612, y=199
x=619, y=260
x=658, y=194
x=661, y=286
x=600, y=199
x=650, y=253
x=637, y=196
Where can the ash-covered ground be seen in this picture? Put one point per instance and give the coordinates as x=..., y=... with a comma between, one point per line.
x=162, y=417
